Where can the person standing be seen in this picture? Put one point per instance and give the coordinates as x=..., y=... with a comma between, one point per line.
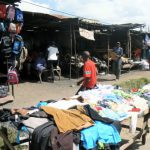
x=89, y=78
x=52, y=59
x=117, y=62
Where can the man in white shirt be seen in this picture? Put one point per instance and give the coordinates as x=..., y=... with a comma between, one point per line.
x=52, y=58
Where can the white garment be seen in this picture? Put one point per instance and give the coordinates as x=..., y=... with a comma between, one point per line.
x=63, y=104
x=52, y=53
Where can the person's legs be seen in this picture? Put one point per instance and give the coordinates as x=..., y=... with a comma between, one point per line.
x=118, y=68
x=52, y=71
x=80, y=89
x=114, y=68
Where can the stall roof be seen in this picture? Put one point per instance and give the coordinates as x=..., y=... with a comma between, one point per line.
x=9, y=1
x=41, y=20
x=124, y=26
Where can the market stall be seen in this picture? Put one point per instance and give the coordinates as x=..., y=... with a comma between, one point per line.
x=106, y=107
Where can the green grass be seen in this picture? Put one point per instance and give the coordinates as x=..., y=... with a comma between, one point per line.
x=134, y=83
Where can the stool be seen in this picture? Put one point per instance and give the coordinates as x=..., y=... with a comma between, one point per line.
x=40, y=74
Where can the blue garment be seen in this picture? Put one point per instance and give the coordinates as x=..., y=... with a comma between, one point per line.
x=114, y=115
x=23, y=129
x=118, y=51
x=40, y=64
x=105, y=133
x=41, y=104
x=113, y=97
x=116, y=64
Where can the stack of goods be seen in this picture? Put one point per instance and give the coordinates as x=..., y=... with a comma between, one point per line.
x=11, y=23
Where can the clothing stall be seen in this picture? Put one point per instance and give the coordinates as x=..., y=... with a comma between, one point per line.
x=105, y=112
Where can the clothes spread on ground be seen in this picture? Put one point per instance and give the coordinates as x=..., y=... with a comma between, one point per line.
x=68, y=119
x=34, y=122
x=63, y=104
x=68, y=124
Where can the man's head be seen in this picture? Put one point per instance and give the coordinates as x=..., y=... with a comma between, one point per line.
x=118, y=44
x=85, y=55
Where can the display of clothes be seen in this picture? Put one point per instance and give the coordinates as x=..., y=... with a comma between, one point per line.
x=67, y=124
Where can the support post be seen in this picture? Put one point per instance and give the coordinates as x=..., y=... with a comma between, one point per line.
x=108, y=54
x=70, y=50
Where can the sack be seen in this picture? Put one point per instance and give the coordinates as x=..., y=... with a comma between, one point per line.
x=2, y=11
x=18, y=15
x=17, y=45
x=12, y=28
x=12, y=76
x=10, y=13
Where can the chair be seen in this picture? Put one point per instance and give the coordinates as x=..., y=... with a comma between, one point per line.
x=57, y=70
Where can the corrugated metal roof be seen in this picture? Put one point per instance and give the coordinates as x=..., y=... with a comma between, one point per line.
x=9, y=1
x=60, y=16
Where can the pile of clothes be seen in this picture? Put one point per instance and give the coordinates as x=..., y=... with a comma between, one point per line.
x=88, y=121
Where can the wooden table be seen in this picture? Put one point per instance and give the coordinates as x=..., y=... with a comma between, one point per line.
x=129, y=136
x=6, y=100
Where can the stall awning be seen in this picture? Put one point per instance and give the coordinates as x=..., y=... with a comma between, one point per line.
x=9, y=1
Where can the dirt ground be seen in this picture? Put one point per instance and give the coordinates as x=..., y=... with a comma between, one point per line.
x=30, y=93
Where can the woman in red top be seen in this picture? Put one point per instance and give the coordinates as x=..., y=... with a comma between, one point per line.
x=89, y=73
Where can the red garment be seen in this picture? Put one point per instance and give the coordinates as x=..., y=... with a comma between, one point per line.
x=89, y=70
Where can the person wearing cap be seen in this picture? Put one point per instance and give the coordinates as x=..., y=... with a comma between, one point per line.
x=117, y=62
x=89, y=78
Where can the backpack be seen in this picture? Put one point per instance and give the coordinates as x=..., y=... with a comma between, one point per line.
x=2, y=11
x=12, y=28
x=17, y=44
x=2, y=27
x=18, y=15
x=12, y=76
x=22, y=57
x=6, y=42
x=10, y=13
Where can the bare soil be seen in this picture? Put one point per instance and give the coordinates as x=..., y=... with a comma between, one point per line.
x=29, y=93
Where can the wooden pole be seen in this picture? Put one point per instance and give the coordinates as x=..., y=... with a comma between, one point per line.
x=70, y=50
x=108, y=53
x=130, y=44
x=75, y=50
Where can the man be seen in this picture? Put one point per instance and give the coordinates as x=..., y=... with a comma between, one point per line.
x=52, y=58
x=89, y=73
x=116, y=64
